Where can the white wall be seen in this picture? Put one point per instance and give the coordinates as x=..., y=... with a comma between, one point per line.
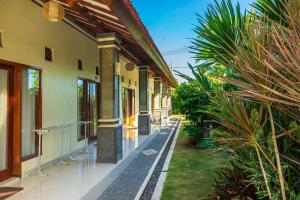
x=26, y=34
x=151, y=91
x=134, y=77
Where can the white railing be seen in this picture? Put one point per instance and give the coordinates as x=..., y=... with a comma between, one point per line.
x=62, y=127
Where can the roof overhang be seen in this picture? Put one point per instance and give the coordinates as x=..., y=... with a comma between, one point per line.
x=119, y=16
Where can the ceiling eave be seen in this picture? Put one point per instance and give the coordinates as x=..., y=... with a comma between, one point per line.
x=149, y=47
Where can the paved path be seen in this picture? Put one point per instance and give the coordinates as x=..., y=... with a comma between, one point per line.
x=127, y=185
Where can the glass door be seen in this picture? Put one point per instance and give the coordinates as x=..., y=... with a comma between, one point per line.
x=93, y=110
x=87, y=108
x=81, y=107
x=5, y=129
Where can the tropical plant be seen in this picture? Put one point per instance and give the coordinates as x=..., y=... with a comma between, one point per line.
x=194, y=133
x=261, y=52
x=276, y=10
x=188, y=100
x=217, y=32
x=232, y=183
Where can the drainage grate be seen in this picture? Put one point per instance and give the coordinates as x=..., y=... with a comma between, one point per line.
x=150, y=152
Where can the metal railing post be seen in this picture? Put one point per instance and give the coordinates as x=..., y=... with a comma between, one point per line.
x=39, y=172
x=41, y=131
x=70, y=144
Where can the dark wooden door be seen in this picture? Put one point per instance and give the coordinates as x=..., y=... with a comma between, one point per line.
x=6, y=133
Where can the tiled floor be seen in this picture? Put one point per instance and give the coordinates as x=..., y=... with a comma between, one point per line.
x=73, y=181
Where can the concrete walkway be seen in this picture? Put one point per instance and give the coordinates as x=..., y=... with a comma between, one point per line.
x=130, y=184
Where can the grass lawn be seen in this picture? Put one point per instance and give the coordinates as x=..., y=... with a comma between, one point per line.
x=192, y=172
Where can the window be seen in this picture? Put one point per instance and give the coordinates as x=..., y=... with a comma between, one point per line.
x=31, y=110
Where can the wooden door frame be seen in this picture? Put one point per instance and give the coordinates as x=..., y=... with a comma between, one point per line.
x=86, y=101
x=14, y=118
x=130, y=104
x=16, y=110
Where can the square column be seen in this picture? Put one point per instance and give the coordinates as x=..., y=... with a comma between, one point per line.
x=165, y=107
x=109, y=149
x=157, y=100
x=144, y=118
x=169, y=104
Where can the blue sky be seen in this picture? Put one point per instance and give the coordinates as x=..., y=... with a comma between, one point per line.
x=170, y=23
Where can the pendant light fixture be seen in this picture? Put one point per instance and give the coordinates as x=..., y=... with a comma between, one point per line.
x=70, y=2
x=53, y=11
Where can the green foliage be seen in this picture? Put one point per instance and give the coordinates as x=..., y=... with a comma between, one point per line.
x=188, y=100
x=276, y=10
x=194, y=133
x=218, y=31
x=206, y=143
x=198, y=81
x=245, y=131
x=257, y=100
x=244, y=178
x=233, y=183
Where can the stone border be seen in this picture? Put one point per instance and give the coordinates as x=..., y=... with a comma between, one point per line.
x=143, y=186
x=162, y=178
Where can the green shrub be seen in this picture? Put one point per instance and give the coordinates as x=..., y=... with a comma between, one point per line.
x=189, y=100
x=232, y=184
x=194, y=133
x=206, y=143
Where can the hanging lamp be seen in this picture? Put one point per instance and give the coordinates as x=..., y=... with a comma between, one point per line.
x=53, y=11
x=71, y=2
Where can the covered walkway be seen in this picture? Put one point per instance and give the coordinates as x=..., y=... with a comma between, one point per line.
x=129, y=184
x=84, y=178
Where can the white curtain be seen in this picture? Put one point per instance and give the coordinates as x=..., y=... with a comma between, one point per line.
x=28, y=114
x=3, y=118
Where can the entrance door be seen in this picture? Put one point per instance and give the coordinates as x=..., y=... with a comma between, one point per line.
x=5, y=123
x=128, y=102
x=87, y=108
x=93, y=110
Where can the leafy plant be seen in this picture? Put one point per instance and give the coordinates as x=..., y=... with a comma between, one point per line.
x=189, y=100
x=262, y=56
x=256, y=98
x=206, y=143
x=233, y=183
x=218, y=31
x=194, y=132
